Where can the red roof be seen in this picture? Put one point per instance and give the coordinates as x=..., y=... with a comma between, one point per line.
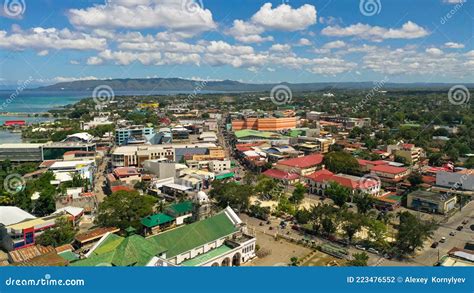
x=388, y=169
x=278, y=174
x=14, y=122
x=125, y=172
x=327, y=176
x=47, y=163
x=79, y=152
x=408, y=146
x=120, y=188
x=303, y=162
x=318, y=173
x=243, y=147
x=373, y=163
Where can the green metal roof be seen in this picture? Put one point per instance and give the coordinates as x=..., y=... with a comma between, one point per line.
x=156, y=220
x=225, y=176
x=190, y=236
x=203, y=258
x=119, y=251
x=69, y=256
x=261, y=134
x=181, y=208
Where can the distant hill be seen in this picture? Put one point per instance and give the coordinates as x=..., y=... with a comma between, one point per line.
x=178, y=84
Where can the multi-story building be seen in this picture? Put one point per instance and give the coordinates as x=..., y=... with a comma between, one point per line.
x=218, y=166
x=265, y=124
x=21, y=152
x=390, y=174
x=136, y=155
x=408, y=151
x=132, y=134
x=302, y=166
x=320, y=180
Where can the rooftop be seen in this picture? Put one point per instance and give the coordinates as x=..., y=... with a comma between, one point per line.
x=156, y=220
x=278, y=174
x=203, y=258
x=303, y=162
x=388, y=169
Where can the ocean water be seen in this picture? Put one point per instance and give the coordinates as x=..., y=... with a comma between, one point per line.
x=29, y=101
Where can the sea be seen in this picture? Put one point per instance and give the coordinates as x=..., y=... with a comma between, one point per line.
x=17, y=105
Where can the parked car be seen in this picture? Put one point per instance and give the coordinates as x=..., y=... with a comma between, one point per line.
x=459, y=228
x=373, y=250
x=360, y=247
x=465, y=221
x=452, y=233
x=442, y=240
x=434, y=245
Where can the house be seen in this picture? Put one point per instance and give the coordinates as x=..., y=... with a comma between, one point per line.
x=366, y=165
x=320, y=180
x=390, y=174
x=219, y=240
x=302, y=166
x=431, y=202
x=91, y=236
x=127, y=175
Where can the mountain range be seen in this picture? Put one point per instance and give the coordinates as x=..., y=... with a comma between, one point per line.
x=179, y=84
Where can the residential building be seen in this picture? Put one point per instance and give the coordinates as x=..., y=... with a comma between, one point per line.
x=408, y=151
x=218, y=166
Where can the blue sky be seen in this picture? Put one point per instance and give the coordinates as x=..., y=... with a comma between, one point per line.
x=49, y=41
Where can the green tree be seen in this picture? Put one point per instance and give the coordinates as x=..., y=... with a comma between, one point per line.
x=364, y=202
x=231, y=193
x=341, y=162
x=264, y=186
x=412, y=232
x=62, y=233
x=359, y=260
x=338, y=193
x=124, y=208
x=303, y=216
x=298, y=194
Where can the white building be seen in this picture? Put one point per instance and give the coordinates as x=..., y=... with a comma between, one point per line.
x=217, y=166
x=461, y=180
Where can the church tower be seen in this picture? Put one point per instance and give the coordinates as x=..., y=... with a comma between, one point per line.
x=201, y=206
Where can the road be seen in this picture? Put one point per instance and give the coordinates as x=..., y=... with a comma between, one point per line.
x=429, y=256
x=99, y=180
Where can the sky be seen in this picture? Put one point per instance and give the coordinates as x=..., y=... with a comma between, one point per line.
x=50, y=41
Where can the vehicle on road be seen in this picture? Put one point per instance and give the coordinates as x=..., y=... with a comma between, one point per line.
x=465, y=222
x=442, y=240
x=360, y=247
x=374, y=251
x=459, y=228
x=452, y=233
x=434, y=245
